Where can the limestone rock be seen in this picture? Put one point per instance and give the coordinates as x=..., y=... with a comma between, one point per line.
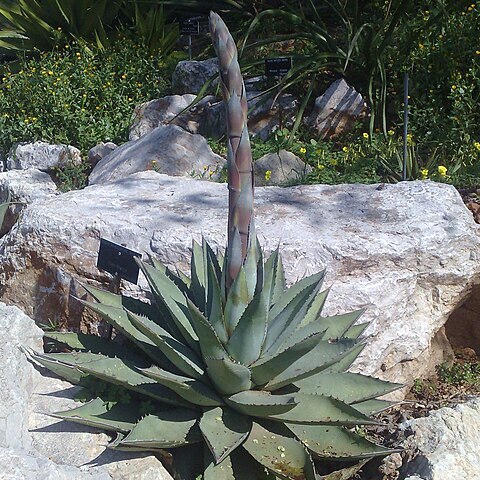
x=264, y=117
x=150, y=115
x=207, y=117
x=336, y=110
x=284, y=167
x=99, y=151
x=408, y=252
x=166, y=149
x=189, y=76
x=42, y=156
x=24, y=187
x=446, y=443
x=36, y=446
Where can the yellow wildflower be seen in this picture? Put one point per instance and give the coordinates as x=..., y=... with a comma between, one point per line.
x=477, y=145
x=303, y=150
x=454, y=87
x=124, y=76
x=477, y=52
x=365, y=135
x=320, y=166
x=268, y=175
x=442, y=170
x=409, y=139
x=424, y=173
x=391, y=133
x=333, y=162
x=345, y=149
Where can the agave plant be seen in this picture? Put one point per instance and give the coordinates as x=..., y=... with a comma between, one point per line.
x=239, y=375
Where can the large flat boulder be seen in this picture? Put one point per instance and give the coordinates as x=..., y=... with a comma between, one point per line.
x=34, y=445
x=407, y=252
x=166, y=149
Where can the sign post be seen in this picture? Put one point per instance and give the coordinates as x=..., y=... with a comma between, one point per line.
x=190, y=26
x=120, y=262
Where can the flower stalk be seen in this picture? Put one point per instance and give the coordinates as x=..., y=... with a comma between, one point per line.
x=239, y=155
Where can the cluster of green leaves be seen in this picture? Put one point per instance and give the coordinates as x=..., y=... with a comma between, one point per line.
x=444, y=70
x=459, y=373
x=79, y=95
x=42, y=25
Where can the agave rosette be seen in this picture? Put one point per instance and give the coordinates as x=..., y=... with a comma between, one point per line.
x=257, y=373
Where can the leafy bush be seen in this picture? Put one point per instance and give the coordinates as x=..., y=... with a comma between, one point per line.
x=79, y=95
x=445, y=86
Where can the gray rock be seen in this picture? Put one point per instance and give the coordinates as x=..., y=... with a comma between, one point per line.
x=166, y=149
x=337, y=110
x=150, y=115
x=24, y=187
x=42, y=156
x=99, y=151
x=284, y=167
x=446, y=443
x=264, y=117
x=189, y=76
x=407, y=252
x=36, y=446
x=207, y=118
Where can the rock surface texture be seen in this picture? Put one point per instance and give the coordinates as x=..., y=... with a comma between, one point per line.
x=24, y=187
x=446, y=444
x=166, y=149
x=409, y=253
x=189, y=76
x=42, y=156
x=34, y=446
x=284, y=167
x=102, y=149
x=336, y=110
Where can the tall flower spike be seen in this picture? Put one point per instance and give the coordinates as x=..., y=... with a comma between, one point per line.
x=239, y=155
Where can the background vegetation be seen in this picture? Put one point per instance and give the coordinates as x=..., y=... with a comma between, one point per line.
x=99, y=73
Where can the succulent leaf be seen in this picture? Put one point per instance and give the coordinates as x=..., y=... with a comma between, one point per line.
x=271, y=280
x=118, y=318
x=215, y=304
x=339, y=324
x=199, y=279
x=93, y=343
x=356, y=330
x=285, y=457
x=121, y=372
x=67, y=371
x=210, y=344
x=224, y=430
x=168, y=429
x=245, y=344
x=237, y=301
x=283, y=312
x=97, y=413
x=192, y=390
x=320, y=357
x=319, y=410
x=269, y=367
x=348, y=387
x=229, y=377
x=373, y=406
x=183, y=357
x=336, y=442
x=171, y=297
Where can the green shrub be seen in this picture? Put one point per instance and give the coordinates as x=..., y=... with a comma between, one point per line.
x=79, y=95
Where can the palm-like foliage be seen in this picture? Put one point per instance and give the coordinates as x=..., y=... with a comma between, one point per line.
x=41, y=24
x=236, y=378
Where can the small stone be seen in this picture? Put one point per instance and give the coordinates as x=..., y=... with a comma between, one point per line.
x=42, y=156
